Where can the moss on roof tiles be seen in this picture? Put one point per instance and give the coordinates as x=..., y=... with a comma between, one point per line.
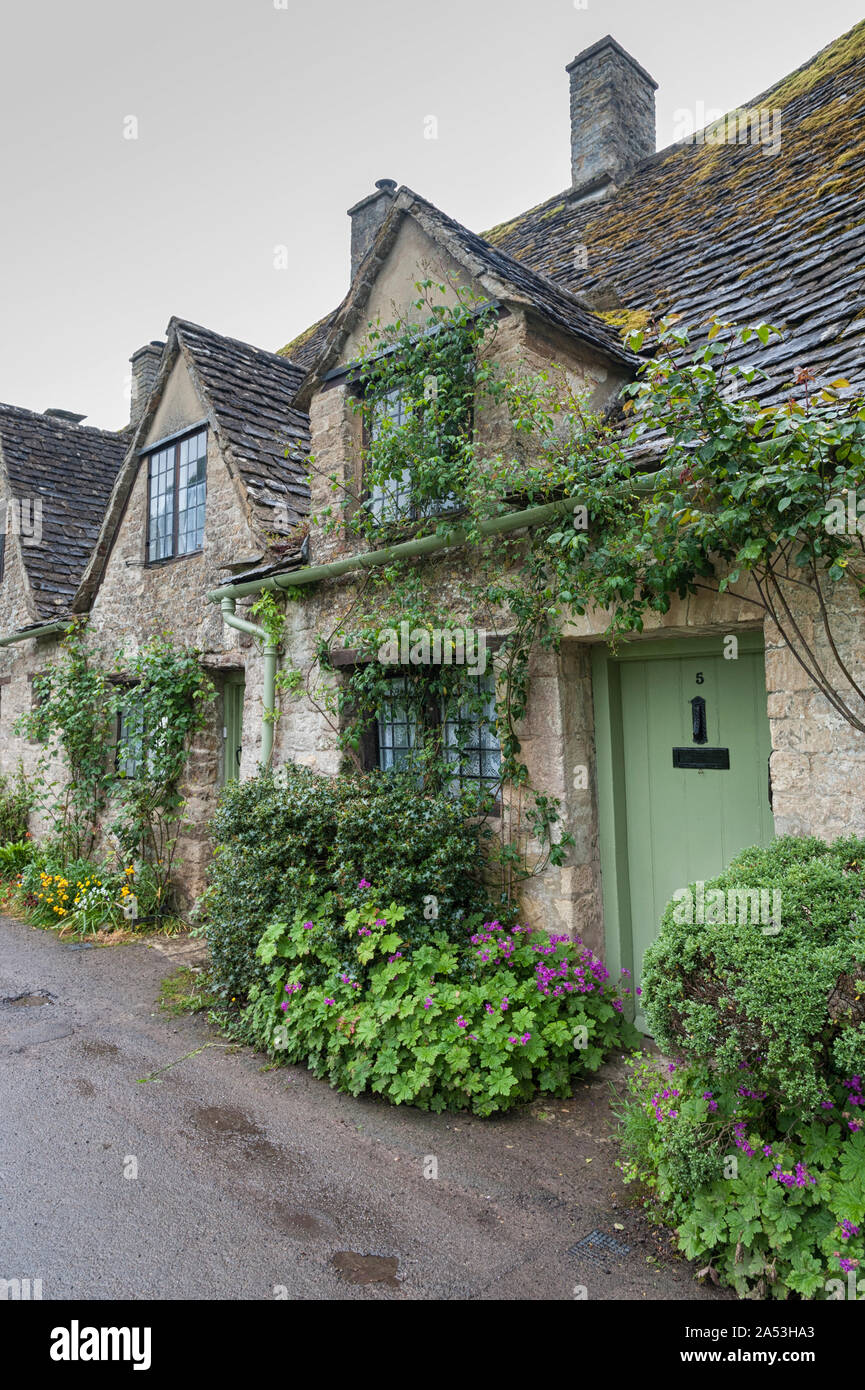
x=302, y=338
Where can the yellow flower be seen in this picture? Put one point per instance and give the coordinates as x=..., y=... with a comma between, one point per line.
x=131, y=869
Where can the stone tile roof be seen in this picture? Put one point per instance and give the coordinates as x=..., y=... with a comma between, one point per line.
x=498, y=274
x=251, y=393
x=72, y=469
x=531, y=285
x=728, y=229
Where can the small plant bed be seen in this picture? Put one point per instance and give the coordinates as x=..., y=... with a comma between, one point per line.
x=480, y=1026
x=78, y=898
x=750, y=1142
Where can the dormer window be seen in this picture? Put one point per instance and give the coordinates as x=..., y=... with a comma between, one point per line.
x=176, y=491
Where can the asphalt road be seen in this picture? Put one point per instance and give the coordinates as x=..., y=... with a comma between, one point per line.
x=256, y=1183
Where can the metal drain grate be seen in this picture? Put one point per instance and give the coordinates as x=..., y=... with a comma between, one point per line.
x=598, y=1246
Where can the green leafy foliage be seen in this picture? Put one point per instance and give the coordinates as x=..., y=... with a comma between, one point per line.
x=770, y=1199
x=73, y=718
x=284, y=839
x=166, y=700
x=478, y=1025
x=751, y=1143
x=15, y=855
x=17, y=799
x=782, y=1000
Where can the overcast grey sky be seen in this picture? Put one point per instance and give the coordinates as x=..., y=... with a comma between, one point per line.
x=258, y=126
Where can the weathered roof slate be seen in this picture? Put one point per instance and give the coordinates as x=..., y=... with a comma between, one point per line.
x=71, y=469
x=251, y=393
x=532, y=284
x=732, y=230
x=499, y=275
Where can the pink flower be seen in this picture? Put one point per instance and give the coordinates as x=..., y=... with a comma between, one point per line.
x=461, y=1023
x=330, y=1001
x=427, y=1003
x=363, y=884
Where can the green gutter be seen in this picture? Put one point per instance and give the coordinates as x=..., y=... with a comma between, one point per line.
x=374, y=559
x=268, y=698
x=46, y=630
x=405, y=550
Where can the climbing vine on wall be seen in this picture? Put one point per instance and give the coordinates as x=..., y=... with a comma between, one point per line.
x=160, y=697
x=742, y=503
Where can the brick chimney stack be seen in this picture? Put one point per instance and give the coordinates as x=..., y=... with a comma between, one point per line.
x=612, y=115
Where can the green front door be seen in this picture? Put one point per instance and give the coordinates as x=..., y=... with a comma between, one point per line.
x=233, y=728
x=689, y=743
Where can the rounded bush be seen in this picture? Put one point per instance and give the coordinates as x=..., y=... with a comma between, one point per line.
x=782, y=997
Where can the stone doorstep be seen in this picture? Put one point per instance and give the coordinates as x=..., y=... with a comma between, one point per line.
x=186, y=950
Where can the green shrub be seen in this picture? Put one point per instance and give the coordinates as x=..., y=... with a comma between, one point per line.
x=17, y=799
x=438, y=1025
x=770, y=1199
x=14, y=857
x=781, y=999
x=751, y=1142
x=285, y=840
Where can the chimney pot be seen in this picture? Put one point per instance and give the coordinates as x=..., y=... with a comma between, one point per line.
x=145, y=369
x=367, y=217
x=612, y=114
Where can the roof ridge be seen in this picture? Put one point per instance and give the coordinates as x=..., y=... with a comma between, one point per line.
x=57, y=423
x=181, y=324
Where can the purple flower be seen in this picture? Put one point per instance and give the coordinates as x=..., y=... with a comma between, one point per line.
x=363, y=884
x=427, y=1003
x=848, y=1230
x=307, y=926
x=461, y=1023
x=330, y=1001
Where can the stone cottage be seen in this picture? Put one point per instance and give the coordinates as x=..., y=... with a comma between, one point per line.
x=212, y=500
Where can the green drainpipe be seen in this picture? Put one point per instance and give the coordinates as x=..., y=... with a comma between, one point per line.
x=268, y=698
